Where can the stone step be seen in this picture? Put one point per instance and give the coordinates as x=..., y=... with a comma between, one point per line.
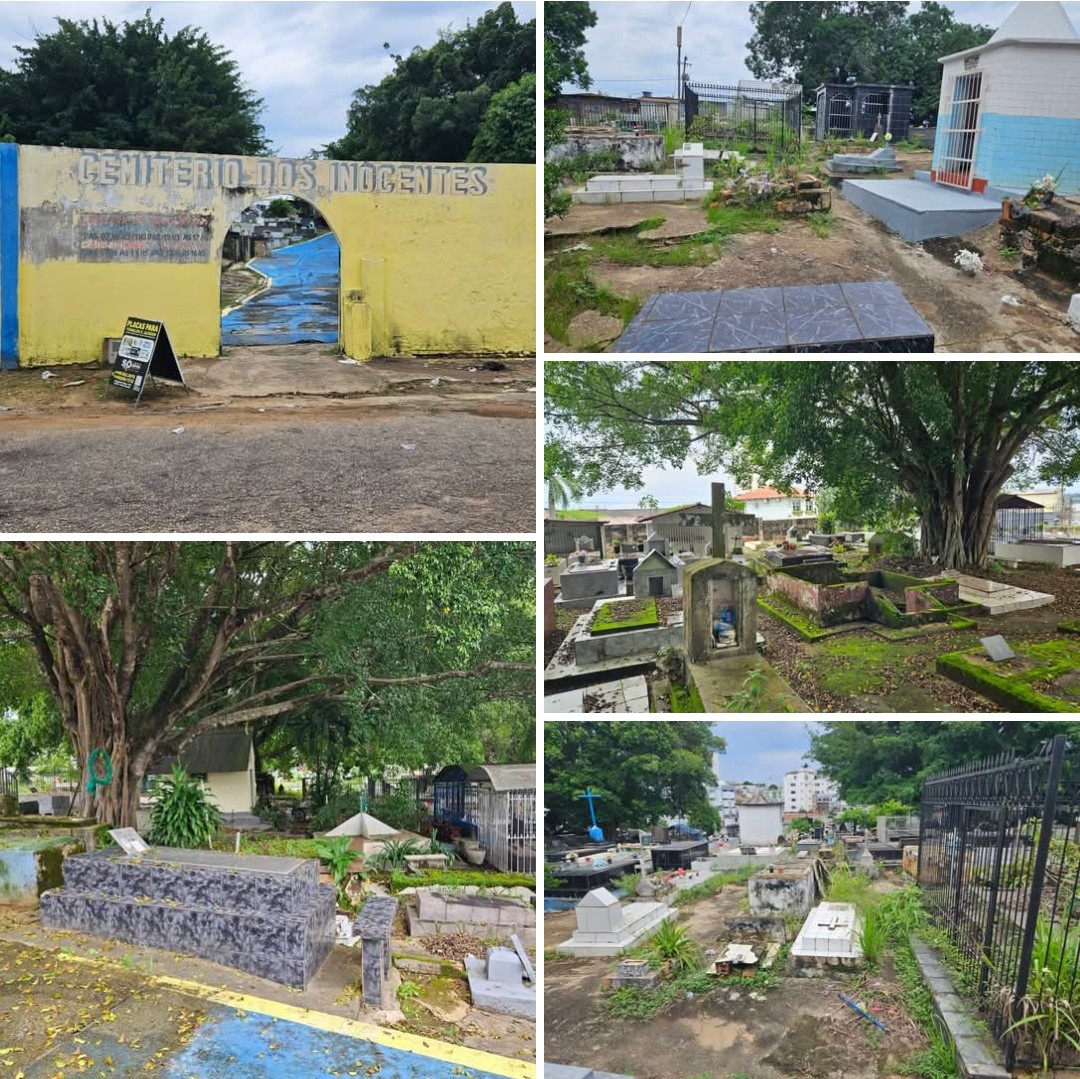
x=207, y=879
x=285, y=948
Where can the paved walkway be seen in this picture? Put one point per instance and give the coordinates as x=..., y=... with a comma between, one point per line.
x=300, y=305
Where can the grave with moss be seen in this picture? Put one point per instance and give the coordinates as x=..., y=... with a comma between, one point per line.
x=625, y=615
x=817, y=597
x=1041, y=677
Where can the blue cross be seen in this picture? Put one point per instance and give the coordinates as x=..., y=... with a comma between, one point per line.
x=595, y=832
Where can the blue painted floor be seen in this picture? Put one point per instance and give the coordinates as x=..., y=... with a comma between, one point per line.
x=245, y=1045
x=302, y=304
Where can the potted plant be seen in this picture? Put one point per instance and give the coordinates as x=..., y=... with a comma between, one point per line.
x=1042, y=192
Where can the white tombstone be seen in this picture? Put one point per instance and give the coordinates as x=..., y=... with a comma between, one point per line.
x=599, y=912
x=504, y=966
x=691, y=160
x=1074, y=312
x=831, y=931
x=606, y=928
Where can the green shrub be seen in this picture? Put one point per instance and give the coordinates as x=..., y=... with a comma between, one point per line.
x=394, y=852
x=459, y=878
x=399, y=809
x=672, y=945
x=339, y=806
x=183, y=815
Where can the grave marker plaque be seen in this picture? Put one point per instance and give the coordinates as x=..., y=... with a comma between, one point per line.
x=997, y=648
x=129, y=841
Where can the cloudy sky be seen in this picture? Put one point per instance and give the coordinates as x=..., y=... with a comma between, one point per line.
x=762, y=751
x=632, y=46
x=304, y=59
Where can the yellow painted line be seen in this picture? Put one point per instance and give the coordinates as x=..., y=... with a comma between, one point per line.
x=461, y=1055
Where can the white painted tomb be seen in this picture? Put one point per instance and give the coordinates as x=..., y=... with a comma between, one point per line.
x=606, y=928
x=687, y=184
x=830, y=935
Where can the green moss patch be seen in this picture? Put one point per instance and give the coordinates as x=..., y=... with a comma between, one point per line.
x=1042, y=677
x=1072, y=626
x=786, y=612
x=686, y=700
x=615, y=617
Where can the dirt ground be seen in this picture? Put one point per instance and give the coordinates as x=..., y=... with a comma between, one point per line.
x=968, y=314
x=268, y=440
x=798, y=1030
x=45, y=1001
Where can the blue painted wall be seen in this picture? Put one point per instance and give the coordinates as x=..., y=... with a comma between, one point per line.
x=9, y=255
x=1015, y=151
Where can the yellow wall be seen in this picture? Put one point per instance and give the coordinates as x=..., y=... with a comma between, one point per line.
x=434, y=258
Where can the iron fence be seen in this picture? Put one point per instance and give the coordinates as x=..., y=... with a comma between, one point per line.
x=999, y=869
x=620, y=113
x=9, y=784
x=750, y=116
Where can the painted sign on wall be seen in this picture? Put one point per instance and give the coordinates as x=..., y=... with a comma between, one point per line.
x=143, y=237
x=127, y=168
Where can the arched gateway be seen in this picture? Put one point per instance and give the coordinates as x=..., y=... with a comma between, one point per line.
x=435, y=258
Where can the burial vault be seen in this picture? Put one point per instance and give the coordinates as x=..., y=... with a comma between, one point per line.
x=436, y=258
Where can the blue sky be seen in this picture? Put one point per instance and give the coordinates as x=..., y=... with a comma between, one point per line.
x=762, y=750
x=632, y=46
x=304, y=59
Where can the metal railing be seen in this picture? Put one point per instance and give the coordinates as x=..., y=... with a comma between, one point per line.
x=756, y=117
x=620, y=114
x=999, y=869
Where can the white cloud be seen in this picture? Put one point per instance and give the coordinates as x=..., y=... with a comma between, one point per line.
x=632, y=46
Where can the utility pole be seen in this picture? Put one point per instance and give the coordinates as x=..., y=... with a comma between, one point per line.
x=678, y=62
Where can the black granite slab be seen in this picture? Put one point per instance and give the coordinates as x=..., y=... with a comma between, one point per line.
x=872, y=316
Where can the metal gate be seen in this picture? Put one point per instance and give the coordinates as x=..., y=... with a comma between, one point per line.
x=841, y=117
x=960, y=133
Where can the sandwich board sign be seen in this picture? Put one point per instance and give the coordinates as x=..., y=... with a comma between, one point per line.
x=145, y=352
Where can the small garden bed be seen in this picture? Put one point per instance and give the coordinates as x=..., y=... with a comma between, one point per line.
x=1040, y=678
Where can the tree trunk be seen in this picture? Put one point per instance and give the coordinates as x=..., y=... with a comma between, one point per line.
x=956, y=530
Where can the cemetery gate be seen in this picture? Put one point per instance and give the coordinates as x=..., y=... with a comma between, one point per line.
x=999, y=870
x=759, y=114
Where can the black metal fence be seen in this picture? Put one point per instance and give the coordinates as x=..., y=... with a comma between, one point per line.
x=999, y=868
x=754, y=117
x=9, y=783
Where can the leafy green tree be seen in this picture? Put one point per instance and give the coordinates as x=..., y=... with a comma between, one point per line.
x=129, y=87
x=813, y=43
x=883, y=764
x=565, y=25
x=30, y=727
x=280, y=208
x=949, y=436
x=146, y=645
x=508, y=127
x=431, y=107
x=642, y=771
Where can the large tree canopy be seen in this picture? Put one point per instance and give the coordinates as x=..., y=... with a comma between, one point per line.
x=874, y=761
x=875, y=41
x=143, y=646
x=564, y=45
x=947, y=434
x=129, y=87
x=432, y=106
x=642, y=772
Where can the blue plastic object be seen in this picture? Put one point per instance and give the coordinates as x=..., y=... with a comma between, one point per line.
x=596, y=834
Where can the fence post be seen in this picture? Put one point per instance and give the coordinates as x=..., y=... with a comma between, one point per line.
x=959, y=866
x=1038, y=875
x=991, y=908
